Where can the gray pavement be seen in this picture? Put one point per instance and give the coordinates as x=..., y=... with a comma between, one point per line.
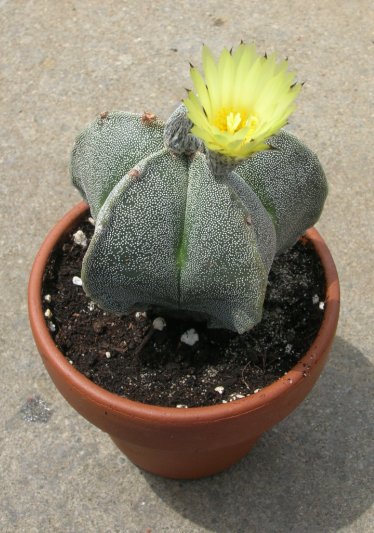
x=64, y=61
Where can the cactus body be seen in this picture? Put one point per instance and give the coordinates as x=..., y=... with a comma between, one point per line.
x=171, y=235
x=106, y=150
x=291, y=184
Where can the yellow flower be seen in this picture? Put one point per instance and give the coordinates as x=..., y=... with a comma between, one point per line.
x=244, y=99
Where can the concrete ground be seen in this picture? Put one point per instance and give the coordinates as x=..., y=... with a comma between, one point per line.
x=62, y=62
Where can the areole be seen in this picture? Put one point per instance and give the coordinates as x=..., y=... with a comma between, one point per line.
x=181, y=443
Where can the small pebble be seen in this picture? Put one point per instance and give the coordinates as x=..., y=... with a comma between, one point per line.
x=159, y=323
x=181, y=406
x=70, y=362
x=219, y=389
x=80, y=238
x=48, y=313
x=315, y=299
x=190, y=337
x=77, y=281
x=224, y=401
x=107, y=355
x=288, y=348
x=48, y=298
x=140, y=315
x=256, y=391
x=91, y=306
x=51, y=326
x=91, y=221
x=321, y=305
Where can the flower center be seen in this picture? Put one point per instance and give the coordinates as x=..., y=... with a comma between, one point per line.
x=231, y=121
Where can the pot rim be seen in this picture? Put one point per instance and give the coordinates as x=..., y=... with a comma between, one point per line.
x=105, y=399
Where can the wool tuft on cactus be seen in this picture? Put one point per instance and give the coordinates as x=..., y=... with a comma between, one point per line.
x=191, y=213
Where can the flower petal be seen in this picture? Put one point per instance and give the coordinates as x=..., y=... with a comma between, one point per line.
x=211, y=77
x=201, y=90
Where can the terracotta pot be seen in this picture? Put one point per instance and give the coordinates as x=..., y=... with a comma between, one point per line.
x=181, y=443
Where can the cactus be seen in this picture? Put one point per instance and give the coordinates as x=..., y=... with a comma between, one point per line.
x=183, y=229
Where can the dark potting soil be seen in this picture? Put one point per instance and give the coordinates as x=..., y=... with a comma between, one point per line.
x=122, y=355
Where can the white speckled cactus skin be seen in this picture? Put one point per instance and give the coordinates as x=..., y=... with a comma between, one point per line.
x=172, y=236
x=107, y=150
x=290, y=183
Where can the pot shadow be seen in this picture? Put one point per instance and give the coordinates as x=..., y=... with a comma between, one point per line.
x=310, y=473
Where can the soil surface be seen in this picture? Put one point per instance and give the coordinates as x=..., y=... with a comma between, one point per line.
x=125, y=355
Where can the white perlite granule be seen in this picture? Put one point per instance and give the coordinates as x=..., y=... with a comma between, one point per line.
x=80, y=238
x=236, y=396
x=159, y=323
x=190, y=337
